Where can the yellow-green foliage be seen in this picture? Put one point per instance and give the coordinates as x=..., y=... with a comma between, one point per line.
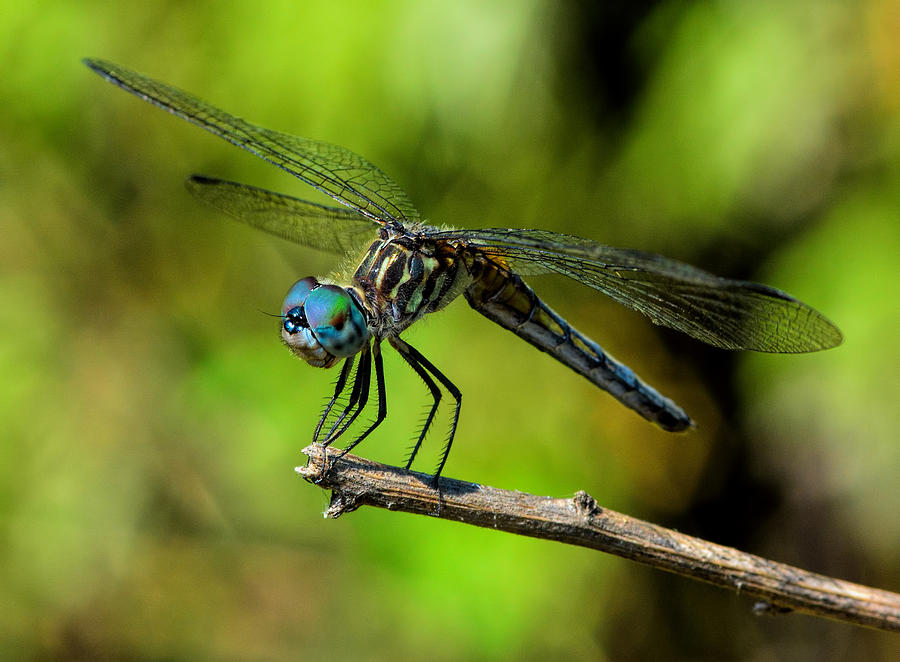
x=150, y=419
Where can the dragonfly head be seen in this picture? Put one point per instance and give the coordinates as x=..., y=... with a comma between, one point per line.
x=322, y=323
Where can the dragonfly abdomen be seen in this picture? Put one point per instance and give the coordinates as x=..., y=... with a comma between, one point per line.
x=506, y=299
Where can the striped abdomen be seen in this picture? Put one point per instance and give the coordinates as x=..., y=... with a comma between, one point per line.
x=407, y=280
x=504, y=298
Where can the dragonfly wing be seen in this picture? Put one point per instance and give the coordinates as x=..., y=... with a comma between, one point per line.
x=331, y=229
x=334, y=170
x=730, y=314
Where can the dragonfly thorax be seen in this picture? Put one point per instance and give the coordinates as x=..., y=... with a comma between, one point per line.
x=403, y=278
x=322, y=323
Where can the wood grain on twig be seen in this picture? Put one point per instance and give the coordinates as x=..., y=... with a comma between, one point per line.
x=355, y=482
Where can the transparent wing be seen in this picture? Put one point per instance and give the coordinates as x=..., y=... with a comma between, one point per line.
x=725, y=313
x=330, y=229
x=334, y=170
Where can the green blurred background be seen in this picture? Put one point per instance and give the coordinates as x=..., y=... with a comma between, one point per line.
x=150, y=419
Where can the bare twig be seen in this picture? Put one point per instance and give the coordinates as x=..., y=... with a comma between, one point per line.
x=355, y=481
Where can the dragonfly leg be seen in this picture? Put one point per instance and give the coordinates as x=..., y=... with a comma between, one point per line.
x=382, y=401
x=338, y=389
x=358, y=397
x=411, y=354
x=402, y=349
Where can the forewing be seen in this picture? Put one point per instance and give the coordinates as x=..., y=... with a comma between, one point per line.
x=725, y=313
x=334, y=170
x=332, y=229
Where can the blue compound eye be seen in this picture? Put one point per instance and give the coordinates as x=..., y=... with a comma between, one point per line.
x=335, y=320
x=298, y=293
x=292, y=308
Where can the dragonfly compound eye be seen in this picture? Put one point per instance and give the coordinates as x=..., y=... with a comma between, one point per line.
x=295, y=320
x=335, y=320
x=321, y=323
x=295, y=329
x=296, y=296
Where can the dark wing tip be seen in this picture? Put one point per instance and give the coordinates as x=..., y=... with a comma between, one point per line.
x=829, y=335
x=111, y=72
x=813, y=331
x=102, y=67
x=202, y=180
x=838, y=337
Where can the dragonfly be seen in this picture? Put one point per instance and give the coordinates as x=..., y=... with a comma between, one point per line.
x=405, y=269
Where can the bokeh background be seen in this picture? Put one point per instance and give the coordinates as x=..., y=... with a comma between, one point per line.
x=150, y=419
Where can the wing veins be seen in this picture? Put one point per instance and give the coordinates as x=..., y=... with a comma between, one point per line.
x=725, y=313
x=333, y=229
x=374, y=194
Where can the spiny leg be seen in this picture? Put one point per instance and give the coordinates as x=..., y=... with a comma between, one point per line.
x=451, y=388
x=339, y=387
x=354, y=396
x=403, y=349
x=382, y=400
x=358, y=397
